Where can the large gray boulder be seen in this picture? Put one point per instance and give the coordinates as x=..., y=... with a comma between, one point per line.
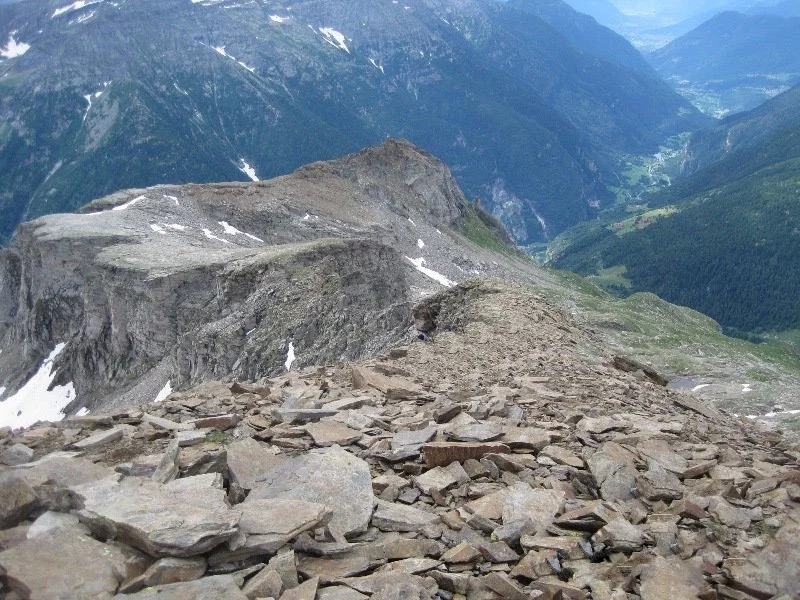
x=332, y=477
x=183, y=521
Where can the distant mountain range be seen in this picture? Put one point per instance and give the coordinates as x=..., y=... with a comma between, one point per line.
x=529, y=102
x=733, y=62
x=724, y=241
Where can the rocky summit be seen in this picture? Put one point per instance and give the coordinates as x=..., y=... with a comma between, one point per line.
x=498, y=451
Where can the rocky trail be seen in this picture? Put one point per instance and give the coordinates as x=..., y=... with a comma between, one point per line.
x=500, y=452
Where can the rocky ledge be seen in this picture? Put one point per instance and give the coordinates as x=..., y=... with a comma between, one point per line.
x=496, y=458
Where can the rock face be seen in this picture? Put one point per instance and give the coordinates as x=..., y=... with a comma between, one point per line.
x=182, y=284
x=600, y=485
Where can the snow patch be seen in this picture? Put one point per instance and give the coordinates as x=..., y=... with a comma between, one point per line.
x=74, y=6
x=747, y=388
x=176, y=227
x=290, y=357
x=165, y=391
x=2, y=391
x=221, y=51
x=34, y=401
x=248, y=170
x=419, y=265
x=14, y=48
x=697, y=388
x=173, y=198
x=82, y=412
x=420, y=244
x=410, y=220
x=334, y=38
x=231, y=230
x=377, y=66
x=211, y=236
x=157, y=229
x=278, y=19
x=129, y=203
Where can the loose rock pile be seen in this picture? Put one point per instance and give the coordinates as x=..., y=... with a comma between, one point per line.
x=505, y=457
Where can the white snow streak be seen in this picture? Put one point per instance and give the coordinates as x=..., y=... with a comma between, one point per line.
x=129, y=203
x=248, y=170
x=334, y=38
x=2, y=391
x=410, y=220
x=438, y=277
x=157, y=229
x=231, y=230
x=278, y=19
x=173, y=198
x=34, y=402
x=14, y=48
x=377, y=66
x=82, y=412
x=290, y=357
x=211, y=236
x=221, y=50
x=420, y=244
x=176, y=227
x=74, y=6
x=697, y=388
x=165, y=391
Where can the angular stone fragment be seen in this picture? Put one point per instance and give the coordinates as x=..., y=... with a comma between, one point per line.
x=219, y=422
x=207, y=588
x=523, y=502
x=396, y=517
x=167, y=424
x=16, y=454
x=167, y=468
x=265, y=584
x=614, y=470
x=332, y=477
x=443, y=453
x=462, y=553
x=620, y=536
x=328, y=433
x=63, y=564
x=305, y=591
x=167, y=570
x=661, y=452
x=150, y=517
x=437, y=480
x=600, y=424
x=329, y=570
x=412, y=566
x=302, y=415
x=270, y=523
x=562, y=456
x=526, y=438
x=727, y=514
x=475, y=432
x=503, y=585
x=247, y=460
x=17, y=499
x=413, y=440
x=100, y=438
x=659, y=484
x=339, y=592
x=376, y=583
x=192, y=437
x=54, y=521
x=670, y=579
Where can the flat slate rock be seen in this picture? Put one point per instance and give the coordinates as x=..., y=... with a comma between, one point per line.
x=248, y=460
x=443, y=453
x=17, y=499
x=328, y=433
x=522, y=502
x=161, y=522
x=207, y=588
x=397, y=517
x=332, y=477
x=271, y=522
x=63, y=564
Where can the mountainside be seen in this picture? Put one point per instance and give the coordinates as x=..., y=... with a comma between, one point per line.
x=743, y=130
x=152, y=290
x=603, y=11
x=722, y=241
x=92, y=101
x=494, y=460
x=733, y=61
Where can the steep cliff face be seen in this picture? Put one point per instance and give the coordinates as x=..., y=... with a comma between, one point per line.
x=180, y=284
